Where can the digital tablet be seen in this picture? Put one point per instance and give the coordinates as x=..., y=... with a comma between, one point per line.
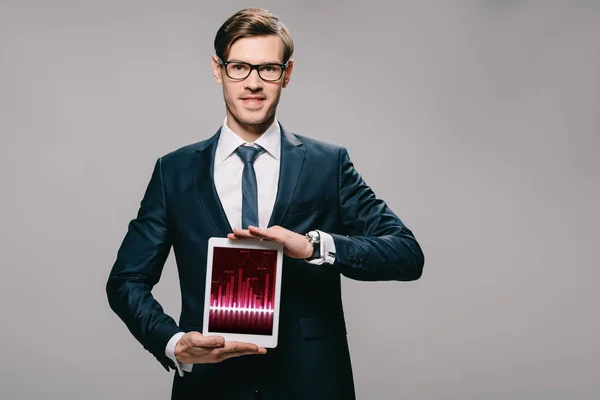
x=243, y=289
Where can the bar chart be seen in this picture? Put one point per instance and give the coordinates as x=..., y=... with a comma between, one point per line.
x=242, y=291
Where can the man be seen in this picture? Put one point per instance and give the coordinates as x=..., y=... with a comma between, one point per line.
x=254, y=179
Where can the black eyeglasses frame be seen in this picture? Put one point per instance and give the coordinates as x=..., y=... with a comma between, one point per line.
x=253, y=67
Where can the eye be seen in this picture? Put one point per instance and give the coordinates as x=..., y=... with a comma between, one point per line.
x=239, y=67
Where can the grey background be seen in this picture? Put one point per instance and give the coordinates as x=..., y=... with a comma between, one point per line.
x=477, y=121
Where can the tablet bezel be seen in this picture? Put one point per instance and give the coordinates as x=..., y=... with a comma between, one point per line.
x=267, y=341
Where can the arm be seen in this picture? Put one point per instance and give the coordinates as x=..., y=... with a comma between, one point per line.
x=138, y=268
x=139, y=264
x=378, y=245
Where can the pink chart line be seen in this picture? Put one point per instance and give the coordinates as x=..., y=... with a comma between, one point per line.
x=240, y=309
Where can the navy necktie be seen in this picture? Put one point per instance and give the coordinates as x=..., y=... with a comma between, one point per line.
x=249, y=186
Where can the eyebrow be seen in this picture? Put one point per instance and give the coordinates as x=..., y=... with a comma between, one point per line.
x=266, y=62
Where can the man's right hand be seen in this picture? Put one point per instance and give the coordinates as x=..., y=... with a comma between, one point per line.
x=195, y=348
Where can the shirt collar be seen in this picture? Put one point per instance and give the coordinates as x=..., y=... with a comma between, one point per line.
x=229, y=141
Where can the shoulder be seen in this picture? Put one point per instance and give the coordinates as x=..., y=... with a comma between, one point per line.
x=318, y=147
x=185, y=151
x=183, y=155
x=179, y=161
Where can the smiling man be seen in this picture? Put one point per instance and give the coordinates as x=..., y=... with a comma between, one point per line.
x=255, y=179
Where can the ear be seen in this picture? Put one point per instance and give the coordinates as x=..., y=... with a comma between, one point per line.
x=288, y=73
x=217, y=70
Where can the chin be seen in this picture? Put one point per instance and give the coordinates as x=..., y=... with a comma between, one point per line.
x=250, y=119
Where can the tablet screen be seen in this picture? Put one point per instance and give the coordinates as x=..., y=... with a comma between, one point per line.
x=242, y=291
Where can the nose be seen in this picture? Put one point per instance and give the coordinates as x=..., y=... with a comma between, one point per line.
x=253, y=81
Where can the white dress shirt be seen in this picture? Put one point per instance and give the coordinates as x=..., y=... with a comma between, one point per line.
x=228, y=169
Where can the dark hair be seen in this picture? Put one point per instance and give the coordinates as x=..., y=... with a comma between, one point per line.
x=251, y=22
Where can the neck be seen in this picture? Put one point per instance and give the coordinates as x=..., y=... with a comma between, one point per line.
x=248, y=132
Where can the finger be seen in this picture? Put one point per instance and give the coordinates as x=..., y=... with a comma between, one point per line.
x=207, y=341
x=242, y=233
x=255, y=230
x=231, y=236
x=225, y=356
x=269, y=234
x=260, y=232
x=248, y=353
x=236, y=347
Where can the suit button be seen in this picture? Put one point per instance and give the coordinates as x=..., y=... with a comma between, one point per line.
x=257, y=395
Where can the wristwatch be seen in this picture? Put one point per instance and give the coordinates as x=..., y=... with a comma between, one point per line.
x=315, y=239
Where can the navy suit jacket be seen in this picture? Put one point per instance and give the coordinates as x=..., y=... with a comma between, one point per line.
x=319, y=188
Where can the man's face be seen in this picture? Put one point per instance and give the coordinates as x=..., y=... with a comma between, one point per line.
x=251, y=103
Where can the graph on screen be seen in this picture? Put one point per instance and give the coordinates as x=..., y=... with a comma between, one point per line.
x=242, y=291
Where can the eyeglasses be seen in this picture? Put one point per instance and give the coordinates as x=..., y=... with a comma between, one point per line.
x=238, y=70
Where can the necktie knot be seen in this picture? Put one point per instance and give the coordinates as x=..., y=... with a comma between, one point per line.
x=248, y=154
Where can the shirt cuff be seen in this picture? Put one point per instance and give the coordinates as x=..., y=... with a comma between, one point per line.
x=327, y=250
x=170, y=352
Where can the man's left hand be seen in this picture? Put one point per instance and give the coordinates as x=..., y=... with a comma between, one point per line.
x=294, y=244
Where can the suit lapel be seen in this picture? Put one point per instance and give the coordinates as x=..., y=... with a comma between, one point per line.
x=292, y=158
x=203, y=167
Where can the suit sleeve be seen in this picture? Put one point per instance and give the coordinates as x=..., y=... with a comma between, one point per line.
x=138, y=268
x=377, y=245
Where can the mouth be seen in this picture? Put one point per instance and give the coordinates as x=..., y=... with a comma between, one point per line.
x=253, y=100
